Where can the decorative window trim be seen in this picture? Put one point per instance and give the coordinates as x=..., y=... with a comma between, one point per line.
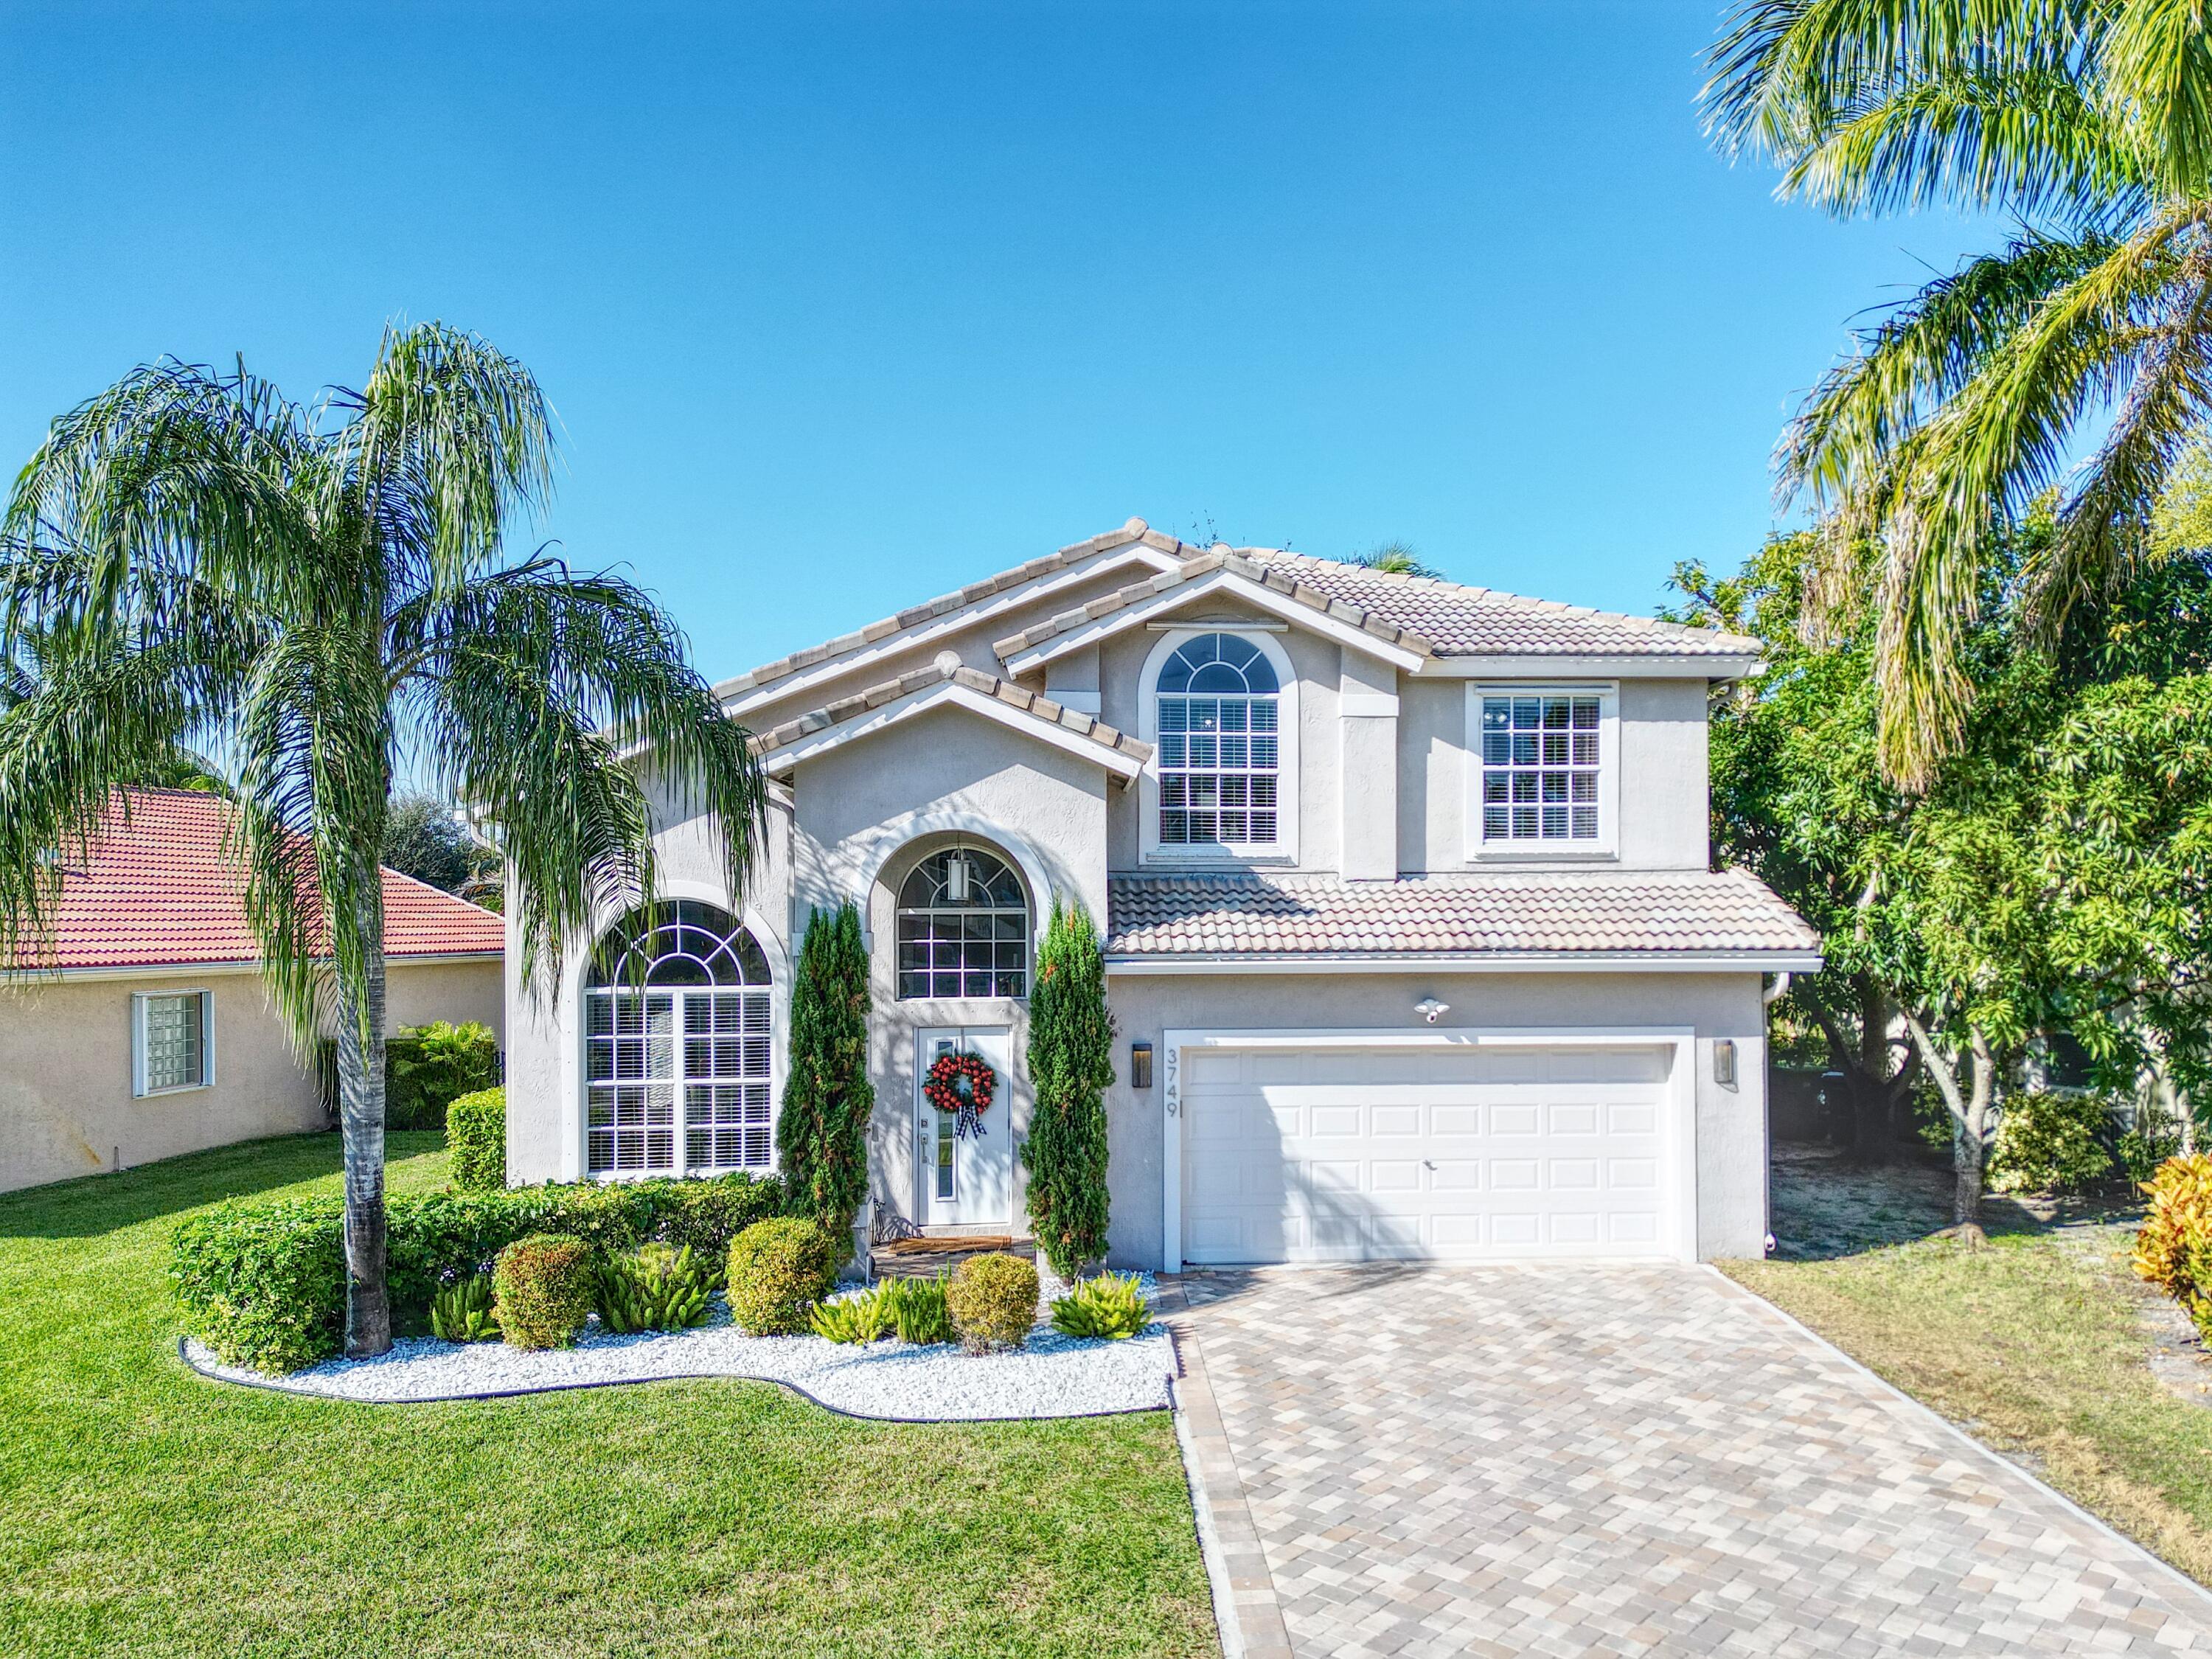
x=1284, y=850
x=141, y=1002
x=756, y=989
x=1606, y=843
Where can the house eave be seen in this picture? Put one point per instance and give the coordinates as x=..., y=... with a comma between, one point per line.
x=1485, y=962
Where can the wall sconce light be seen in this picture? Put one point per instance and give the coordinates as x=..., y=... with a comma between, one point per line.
x=1428, y=1008
x=1140, y=1065
x=1724, y=1063
x=956, y=879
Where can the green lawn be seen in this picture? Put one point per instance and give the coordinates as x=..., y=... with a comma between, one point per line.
x=146, y=1510
x=2035, y=1345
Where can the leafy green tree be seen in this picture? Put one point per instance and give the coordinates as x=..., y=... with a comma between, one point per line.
x=423, y=839
x=1071, y=1065
x=309, y=593
x=822, y=1133
x=2055, y=873
x=2089, y=334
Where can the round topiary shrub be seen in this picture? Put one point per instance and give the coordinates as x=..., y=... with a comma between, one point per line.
x=543, y=1286
x=779, y=1270
x=992, y=1300
x=476, y=1141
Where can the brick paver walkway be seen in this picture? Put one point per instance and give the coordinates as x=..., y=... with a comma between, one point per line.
x=1568, y=1461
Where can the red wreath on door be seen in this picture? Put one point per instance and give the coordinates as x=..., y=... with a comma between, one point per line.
x=962, y=1084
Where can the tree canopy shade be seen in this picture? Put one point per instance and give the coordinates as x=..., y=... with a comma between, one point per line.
x=306, y=593
x=2089, y=333
x=2055, y=874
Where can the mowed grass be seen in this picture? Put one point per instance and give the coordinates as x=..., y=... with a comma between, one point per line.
x=146, y=1510
x=2036, y=1346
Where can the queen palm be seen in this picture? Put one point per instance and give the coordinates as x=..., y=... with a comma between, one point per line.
x=2073, y=365
x=314, y=596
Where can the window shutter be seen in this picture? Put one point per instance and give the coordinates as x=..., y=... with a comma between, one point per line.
x=207, y=1038
x=137, y=1046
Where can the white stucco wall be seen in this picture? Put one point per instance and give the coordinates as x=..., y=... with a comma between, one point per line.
x=1731, y=1122
x=65, y=1102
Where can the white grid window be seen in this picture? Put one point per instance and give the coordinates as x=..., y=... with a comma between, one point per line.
x=1220, y=756
x=172, y=1041
x=964, y=928
x=677, y=1015
x=1540, y=764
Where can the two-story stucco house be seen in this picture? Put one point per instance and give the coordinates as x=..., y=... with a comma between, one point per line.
x=1411, y=934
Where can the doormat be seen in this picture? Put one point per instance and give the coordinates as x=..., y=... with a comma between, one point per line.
x=960, y=1246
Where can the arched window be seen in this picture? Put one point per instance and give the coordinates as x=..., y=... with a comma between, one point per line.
x=676, y=1038
x=1220, y=756
x=963, y=928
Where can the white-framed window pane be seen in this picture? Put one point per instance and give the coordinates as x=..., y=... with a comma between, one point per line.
x=678, y=1080
x=1540, y=760
x=175, y=1040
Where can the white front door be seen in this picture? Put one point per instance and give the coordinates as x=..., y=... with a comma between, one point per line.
x=1350, y=1154
x=965, y=1181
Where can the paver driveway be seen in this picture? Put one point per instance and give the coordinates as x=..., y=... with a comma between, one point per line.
x=1568, y=1461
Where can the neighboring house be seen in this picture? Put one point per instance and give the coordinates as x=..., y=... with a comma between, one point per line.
x=147, y=1033
x=1411, y=936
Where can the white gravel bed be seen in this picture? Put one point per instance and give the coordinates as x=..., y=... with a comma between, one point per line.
x=1053, y=1376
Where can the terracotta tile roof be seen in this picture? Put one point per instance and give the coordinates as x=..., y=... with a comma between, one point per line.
x=158, y=891
x=1033, y=704
x=1459, y=621
x=1284, y=580
x=1659, y=911
x=1136, y=532
x=1422, y=613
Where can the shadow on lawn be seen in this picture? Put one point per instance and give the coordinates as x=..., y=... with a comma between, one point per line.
x=1824, y=1206
x=98, y=1204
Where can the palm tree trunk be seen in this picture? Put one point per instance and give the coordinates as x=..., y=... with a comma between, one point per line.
x=360, y=1122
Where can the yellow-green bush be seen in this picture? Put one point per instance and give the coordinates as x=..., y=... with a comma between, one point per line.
x=779, y=1270
x=2051, y=1143
x=544, y=1286
x=2173, y=1247
x=992, y=1300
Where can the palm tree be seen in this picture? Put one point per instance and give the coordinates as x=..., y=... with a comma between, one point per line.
x=312, y=594
x=2073, y=364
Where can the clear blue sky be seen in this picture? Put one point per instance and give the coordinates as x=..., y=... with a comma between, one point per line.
x=844, y=304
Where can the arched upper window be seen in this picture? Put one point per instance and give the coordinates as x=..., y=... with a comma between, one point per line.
x=1220, y=756
x=677, y=1032
x=963, y=928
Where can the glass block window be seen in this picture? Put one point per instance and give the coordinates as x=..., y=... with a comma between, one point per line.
x=677, y=1061
x=173, y=1043
x=1220, y=754
x=964, y=928
x=1539, y=767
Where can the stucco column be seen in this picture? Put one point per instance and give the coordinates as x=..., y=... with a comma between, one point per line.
x=1367, y=726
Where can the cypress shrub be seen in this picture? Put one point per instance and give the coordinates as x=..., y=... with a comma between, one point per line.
x=1070, y=1064
x=476, y=1141
x=822, y=1133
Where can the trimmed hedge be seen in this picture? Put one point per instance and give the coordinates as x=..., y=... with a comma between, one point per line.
x=779, y=1270
x=993, y=1299
x=542, y=1289
x=261, y=1281
x=476, y=1141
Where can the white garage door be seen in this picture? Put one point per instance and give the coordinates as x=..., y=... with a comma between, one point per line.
x=1347, y=1154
